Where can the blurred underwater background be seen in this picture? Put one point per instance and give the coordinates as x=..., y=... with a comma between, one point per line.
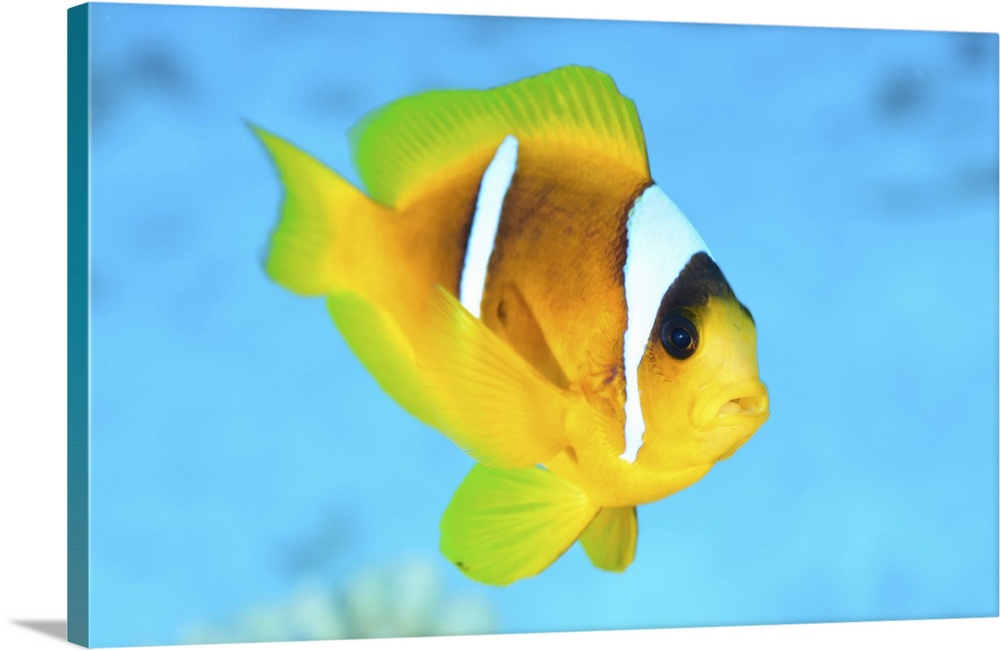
x=251, y=482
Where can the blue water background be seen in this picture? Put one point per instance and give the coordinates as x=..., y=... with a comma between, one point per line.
x=846, y=181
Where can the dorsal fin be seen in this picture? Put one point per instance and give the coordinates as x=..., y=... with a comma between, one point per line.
x=397, y=147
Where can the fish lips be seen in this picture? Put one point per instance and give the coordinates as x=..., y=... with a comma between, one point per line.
x=743, y=404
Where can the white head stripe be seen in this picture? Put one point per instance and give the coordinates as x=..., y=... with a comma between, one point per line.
x=485, y=221
x=661, y=241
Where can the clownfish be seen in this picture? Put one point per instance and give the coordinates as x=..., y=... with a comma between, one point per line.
x=513, y=277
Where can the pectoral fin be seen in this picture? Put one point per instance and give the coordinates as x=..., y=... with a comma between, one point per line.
x=489, y=400
x=610, y=538
x=507, y=524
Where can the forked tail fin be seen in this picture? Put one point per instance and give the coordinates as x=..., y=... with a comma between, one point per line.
x=322, y=246
x=327, y=228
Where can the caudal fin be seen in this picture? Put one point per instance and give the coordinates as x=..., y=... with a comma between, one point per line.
x=322, y=246
x=326, y=226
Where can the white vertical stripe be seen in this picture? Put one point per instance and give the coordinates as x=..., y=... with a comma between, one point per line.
x=485, y=221
x=661, y=241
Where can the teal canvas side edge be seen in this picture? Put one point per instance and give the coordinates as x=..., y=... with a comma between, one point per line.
x=78, y=326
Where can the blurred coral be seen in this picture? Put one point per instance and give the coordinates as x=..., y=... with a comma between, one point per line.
x=402, y=599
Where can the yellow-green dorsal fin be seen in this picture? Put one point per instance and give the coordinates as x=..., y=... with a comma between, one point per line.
x=401, y=145
x=503, y=525
x=323, y=219
x=488, y=399
x=610, y=538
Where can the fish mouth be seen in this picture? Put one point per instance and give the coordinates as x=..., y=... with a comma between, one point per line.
x=739, y=404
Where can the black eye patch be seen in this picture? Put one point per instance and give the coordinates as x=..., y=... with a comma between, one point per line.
x=699, y=279
x=677, y=318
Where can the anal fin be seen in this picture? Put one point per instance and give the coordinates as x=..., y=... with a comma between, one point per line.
x=507, y=524
x=379, y=343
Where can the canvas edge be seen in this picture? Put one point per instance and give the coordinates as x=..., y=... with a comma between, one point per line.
x=78, y=326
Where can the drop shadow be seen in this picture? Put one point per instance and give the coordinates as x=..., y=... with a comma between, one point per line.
x=51, y=628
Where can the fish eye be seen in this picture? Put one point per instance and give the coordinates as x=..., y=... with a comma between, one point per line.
x=679, y=336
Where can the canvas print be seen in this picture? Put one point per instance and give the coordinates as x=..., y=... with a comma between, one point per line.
x=402, y=325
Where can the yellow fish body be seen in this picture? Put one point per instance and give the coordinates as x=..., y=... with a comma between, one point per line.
x=515, y=279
